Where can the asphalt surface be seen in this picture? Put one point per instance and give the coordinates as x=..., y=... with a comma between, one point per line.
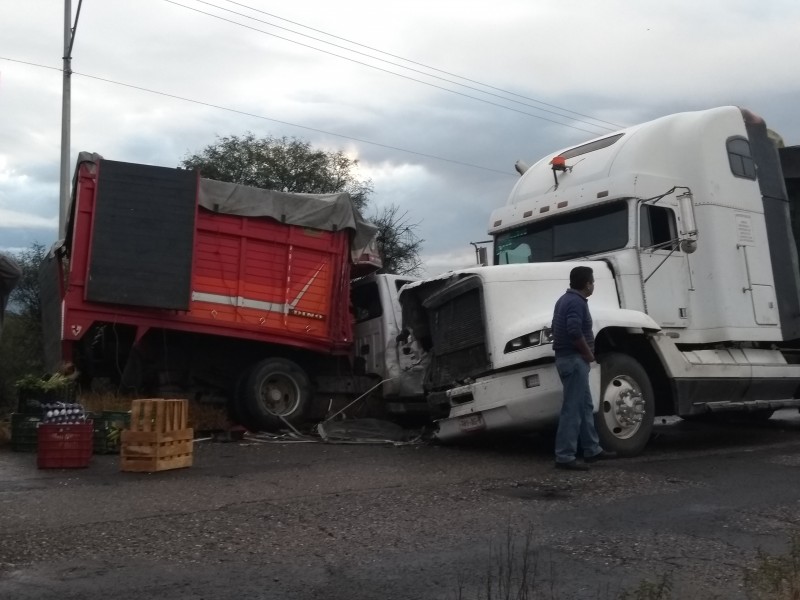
x=312, y=520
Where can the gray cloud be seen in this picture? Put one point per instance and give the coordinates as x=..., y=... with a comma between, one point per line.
x=617, y=61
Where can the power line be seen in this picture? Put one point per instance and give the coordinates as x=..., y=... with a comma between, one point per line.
x=413, y=62
x=558, y=114
x=433, y=85
x=245, y=113
x=561, y=108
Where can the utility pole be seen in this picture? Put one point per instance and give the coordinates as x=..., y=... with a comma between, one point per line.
x=65, y=188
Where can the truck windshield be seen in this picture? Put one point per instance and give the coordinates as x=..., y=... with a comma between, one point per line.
x=573, y=235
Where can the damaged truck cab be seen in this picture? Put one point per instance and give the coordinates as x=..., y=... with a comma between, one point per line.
x=687, y=224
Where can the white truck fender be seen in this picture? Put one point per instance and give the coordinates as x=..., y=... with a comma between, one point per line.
x=632, y=320
x=622, y=317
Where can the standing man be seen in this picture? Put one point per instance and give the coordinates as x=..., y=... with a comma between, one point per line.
x=573, y=344
x=9, y=275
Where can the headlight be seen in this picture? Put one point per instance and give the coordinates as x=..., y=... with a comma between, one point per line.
x=536, y=338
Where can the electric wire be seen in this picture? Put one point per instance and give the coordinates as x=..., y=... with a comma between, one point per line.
x=469, y=87
x=255, y=116
x=429, y=84
x=413, y=62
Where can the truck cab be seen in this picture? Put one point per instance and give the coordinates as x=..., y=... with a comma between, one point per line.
x=687, y=225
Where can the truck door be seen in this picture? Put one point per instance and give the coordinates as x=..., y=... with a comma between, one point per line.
x=378, y=319
x=666, y=280
x=759, y=284
x=368, y=331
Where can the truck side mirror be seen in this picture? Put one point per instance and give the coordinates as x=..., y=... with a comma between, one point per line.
x=688, y=235
x=482, y=258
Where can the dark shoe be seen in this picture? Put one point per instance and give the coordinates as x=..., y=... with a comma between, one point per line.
x=571, y=466
x=602, y=455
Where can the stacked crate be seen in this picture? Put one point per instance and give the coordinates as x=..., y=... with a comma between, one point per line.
x=108, y=427
x=159, y=437
x=64, y=445
x=23, y=432
x=30, y=411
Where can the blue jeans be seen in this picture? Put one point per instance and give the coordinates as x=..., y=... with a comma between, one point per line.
x=576, y=422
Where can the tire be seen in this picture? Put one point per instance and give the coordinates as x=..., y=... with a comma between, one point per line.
x=625, y=418
x=277, y=391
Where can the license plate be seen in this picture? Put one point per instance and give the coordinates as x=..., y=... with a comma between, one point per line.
x=471, y=422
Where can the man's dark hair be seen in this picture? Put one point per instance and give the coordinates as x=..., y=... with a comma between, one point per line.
x=579, y=277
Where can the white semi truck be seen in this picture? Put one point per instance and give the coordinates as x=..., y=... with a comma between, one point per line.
x=688, y=223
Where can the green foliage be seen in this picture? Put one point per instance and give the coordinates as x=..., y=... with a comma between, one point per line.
x=32, y=384
x=21, y=340
x=284, y=164
x=25, y=296
x=775, y=577
x=292, y=165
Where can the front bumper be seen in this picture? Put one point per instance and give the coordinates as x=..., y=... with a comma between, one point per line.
x=526, y=399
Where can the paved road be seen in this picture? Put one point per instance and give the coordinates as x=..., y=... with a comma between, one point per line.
x=297, y=521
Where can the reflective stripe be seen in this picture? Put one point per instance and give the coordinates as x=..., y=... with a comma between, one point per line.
x=239, y=301
x=258, y=304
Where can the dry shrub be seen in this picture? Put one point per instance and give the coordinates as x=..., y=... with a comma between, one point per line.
x=776, y=577
x=208, y=417
x=202, y=417
x=100, y=401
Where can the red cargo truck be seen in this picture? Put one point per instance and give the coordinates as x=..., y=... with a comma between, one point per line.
x=171, y=283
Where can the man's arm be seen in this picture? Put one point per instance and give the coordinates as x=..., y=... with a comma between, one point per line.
x=575, y=331
x=584, y=349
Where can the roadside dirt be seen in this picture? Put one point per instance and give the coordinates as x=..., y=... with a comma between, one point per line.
x=264, y=520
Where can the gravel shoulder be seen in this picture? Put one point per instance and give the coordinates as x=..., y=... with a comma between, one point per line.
x=265, y=520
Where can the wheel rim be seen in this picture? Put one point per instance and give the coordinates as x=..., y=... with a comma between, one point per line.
x=623, y=407
x=279, y=394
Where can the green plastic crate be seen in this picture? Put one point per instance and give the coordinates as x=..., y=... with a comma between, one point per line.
x=108, y=425
x=23, y=432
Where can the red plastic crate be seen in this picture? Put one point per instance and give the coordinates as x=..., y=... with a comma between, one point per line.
x=64, y=446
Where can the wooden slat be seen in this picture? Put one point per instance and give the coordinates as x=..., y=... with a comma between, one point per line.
x=154, y=437
x=158, y=451
x=159, y=438
x=150, y=465
x=160, y=410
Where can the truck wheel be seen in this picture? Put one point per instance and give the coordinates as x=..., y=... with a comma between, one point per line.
x=277, y=391
x=627, y=408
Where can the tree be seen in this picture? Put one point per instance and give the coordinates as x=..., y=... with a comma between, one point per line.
x=292, y=165
x=21, y=343
x=397, y=242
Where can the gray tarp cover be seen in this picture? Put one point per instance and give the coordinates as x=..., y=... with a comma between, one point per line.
x=329, y=212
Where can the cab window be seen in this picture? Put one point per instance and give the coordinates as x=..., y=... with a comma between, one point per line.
x=657, y=228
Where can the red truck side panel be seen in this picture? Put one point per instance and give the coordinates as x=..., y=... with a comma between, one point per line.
x=252, y=278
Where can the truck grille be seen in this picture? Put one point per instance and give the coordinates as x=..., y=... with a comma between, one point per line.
x=458, y=335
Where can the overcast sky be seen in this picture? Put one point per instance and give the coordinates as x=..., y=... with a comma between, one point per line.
x=436, y=99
